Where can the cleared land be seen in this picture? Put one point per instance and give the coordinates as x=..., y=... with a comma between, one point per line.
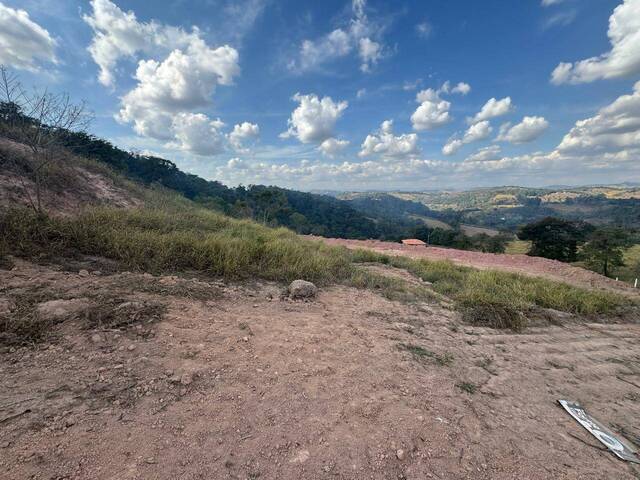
x=225, y=380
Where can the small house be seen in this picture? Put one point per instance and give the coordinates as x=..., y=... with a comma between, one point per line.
x=414, y=242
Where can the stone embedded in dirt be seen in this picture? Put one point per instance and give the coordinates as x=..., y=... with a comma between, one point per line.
x=55, y=310
x=301, y=457
x=186, y=379
x=83, y=273
x=5, y=306
x=301, y=289
x=96, y=338
x=97, y=273
x=400, y=454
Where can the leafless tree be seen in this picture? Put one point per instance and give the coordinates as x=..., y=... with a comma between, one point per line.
x=40, y=120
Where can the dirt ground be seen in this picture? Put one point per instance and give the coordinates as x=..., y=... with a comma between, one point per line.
x=233, y=382
x=536, y=266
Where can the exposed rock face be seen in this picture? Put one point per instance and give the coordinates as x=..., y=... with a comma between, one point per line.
x=56, y=310
x=302, y=290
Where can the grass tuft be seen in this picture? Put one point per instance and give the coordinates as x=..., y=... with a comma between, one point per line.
x=468, y=387
x=420, y=353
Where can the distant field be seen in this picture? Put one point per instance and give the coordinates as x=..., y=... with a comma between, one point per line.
x=475, y=230
x=518, y=247
x=432, y=222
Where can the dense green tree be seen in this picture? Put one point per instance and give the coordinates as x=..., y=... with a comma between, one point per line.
x=554, y=238
x=604, y=249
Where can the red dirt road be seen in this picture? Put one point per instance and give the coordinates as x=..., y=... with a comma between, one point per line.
x=535, y=266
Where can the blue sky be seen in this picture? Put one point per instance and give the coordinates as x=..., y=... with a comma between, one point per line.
x=350, y=95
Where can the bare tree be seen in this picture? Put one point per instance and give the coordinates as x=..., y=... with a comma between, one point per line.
x=40, y=120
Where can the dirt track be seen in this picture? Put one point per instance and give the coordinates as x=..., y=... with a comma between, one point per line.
x=536, y=266
x=245, y=385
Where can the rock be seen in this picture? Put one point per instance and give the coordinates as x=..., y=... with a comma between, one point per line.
x=96, y=338
x=186, y=379
x=301, y=457
x=400, y=454
x=97, y=273
x=131, y=347
x=56, y=310
x=5, y=306
x=83, y=273
x=301, y=289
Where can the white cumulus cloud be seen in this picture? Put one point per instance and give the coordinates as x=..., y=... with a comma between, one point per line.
x=314, y=120
x=23, y=43
x=370, y=53
x=386, y=144
x=184, y=81
x=527, y=130
x=432, y=112
x=361, y=35
x=622, y=60
x=197, y=133
x=119, y=34
x=616, y=127
x=241, y=132
x=493, y=108
x=332, y=146
x=477, y=131
x=461, y=88
x=491, y=152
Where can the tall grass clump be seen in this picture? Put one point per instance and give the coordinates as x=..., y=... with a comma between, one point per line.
x=161, y=240
x=500, y=299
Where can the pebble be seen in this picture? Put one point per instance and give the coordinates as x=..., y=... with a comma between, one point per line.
x=131, y=347
x=96, y=338
x=245, y=339
x=186, y=379
x=83, y=273
x=400, y=454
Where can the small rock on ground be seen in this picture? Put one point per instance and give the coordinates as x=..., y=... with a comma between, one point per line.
x=301, y=289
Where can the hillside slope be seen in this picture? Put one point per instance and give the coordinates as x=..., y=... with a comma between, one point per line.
x=524, y=264
x=70, y=184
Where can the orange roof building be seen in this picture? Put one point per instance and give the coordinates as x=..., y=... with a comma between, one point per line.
x=413, y=242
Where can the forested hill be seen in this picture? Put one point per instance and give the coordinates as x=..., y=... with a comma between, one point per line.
x=305, y=213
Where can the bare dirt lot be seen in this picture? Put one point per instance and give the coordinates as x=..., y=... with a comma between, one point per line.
x=212, y=380
x=536, y=266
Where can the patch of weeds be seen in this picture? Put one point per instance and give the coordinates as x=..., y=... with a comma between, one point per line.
x=5, y=261
x=415, y=350
x=176, y=287
x=420, y=353
x=20, y=323
x=484, y=362
x=557, y=365
x=501, y=299
x=108, y=312
x=245, y=326
x=445, y=360
x=493, y=315
x=394, y=289
x=468, y=387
